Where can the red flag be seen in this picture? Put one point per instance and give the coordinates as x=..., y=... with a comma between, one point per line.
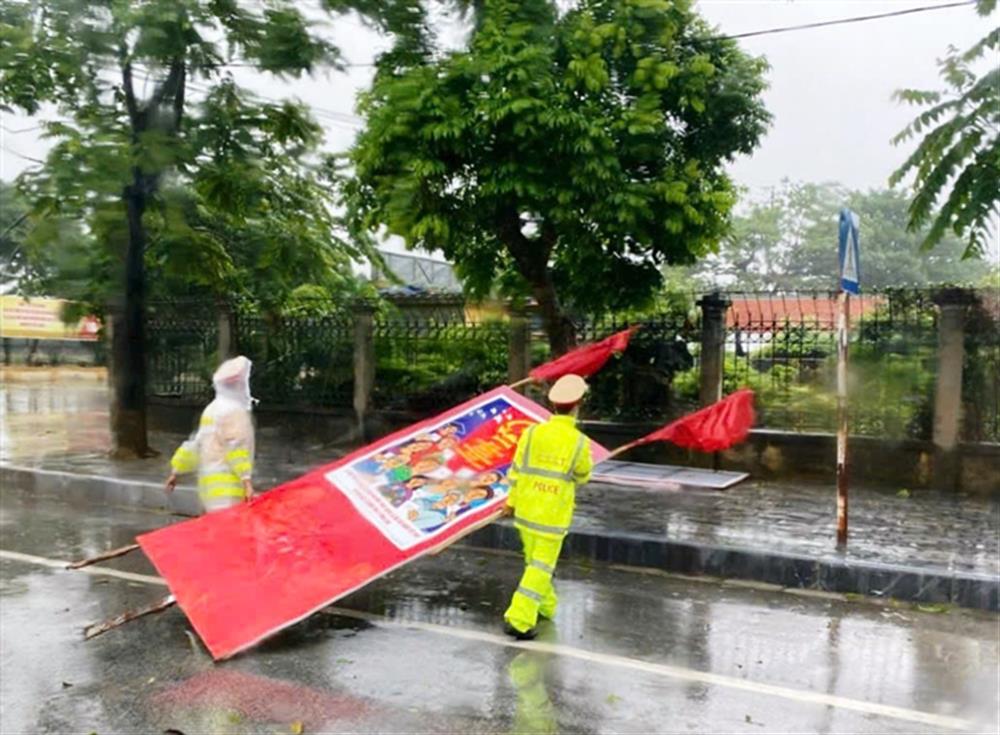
x=711, y=429
x=585, y=360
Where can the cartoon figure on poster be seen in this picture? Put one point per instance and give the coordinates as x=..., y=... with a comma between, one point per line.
x=416, y=486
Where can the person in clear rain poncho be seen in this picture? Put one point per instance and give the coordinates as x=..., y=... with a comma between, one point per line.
x=222, y=450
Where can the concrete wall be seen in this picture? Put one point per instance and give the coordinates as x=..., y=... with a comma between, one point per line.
x=775, y=454
x=767, y=454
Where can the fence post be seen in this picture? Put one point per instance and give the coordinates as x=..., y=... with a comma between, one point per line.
x=518, y=347
x=364, y=362
x=713, y=345
x=952, y=304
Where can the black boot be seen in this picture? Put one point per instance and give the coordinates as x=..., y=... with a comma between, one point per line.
x=526, y=635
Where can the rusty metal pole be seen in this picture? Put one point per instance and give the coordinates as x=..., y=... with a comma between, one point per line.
x=843, y=330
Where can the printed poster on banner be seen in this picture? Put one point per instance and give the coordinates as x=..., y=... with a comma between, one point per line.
x=422, y=484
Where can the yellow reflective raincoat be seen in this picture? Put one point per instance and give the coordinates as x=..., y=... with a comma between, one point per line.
x=222, y=450
x=551, y=460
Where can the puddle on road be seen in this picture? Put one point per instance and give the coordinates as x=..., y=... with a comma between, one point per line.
x=39, y=419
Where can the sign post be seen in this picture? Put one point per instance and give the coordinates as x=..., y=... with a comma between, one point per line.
x=850, y=283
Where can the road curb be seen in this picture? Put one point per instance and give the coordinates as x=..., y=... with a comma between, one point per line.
x=77, y=487
x=829, y=573
x=785, y=569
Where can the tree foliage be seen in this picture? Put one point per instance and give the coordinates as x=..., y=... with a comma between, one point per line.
x=164, y=158
x=956, y=166
x=566, y=156
x=789, y=242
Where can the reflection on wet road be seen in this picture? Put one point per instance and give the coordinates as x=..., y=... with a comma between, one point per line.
x=421, y=651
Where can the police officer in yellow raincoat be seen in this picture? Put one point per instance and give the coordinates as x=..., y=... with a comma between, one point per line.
x=552, y=458
x=222, y=450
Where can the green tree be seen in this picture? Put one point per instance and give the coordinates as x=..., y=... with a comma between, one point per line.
x=956, y=165
x=27, y=266
x=563, y=155
x=14, y=213
x=790, y=242
x=122, y=160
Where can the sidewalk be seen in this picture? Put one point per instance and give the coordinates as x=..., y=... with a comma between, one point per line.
x=925, y=546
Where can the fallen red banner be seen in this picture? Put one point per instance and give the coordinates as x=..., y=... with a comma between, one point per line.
x=245, y=573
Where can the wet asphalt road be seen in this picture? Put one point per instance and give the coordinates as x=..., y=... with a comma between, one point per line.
x=421, y=651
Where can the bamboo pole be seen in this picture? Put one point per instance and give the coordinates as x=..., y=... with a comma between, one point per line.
x=112, y=554
x=620, y=450
x=523, y=381
x=92, y=631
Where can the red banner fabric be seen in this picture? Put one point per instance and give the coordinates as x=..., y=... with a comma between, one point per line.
x=713, y=428
x=585, y=360
x=245, y=573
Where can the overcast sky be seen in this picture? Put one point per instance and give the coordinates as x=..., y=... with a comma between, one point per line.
x=830, y=88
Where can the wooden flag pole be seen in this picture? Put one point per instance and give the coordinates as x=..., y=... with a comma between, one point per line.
x=620, y=450
x=112, y=554
x=92, y=631
x=523, y=381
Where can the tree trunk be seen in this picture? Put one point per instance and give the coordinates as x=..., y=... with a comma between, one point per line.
x=128, y=344
x=128, y=348
x=558, y=327
x=532, y=260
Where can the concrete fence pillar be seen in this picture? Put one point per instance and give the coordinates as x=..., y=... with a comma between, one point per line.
x=952, y=304
x=225, y=342
x=713, y=346
x=518, y=348
x=364, y=363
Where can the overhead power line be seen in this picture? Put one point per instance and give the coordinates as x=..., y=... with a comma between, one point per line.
x=843, y=21
x=353, y=121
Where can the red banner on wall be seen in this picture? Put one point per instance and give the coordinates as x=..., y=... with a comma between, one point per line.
x=245, y=573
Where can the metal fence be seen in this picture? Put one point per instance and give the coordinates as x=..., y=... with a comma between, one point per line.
x=300, y=358
x=657, y=376
x=781, y=345
x=784, y=347
x=182, y=339
x=424, y=365
x=981, y=371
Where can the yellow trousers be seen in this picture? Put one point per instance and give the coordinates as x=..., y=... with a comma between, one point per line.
x=535, y=594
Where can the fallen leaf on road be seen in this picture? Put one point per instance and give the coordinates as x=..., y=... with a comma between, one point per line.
x=613, y=699
x=296, y=727
x=933, y=608
x=903, y=493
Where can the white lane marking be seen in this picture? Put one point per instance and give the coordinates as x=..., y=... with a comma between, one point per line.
x=94, y=571
x=664, y=670
x=673, y=672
